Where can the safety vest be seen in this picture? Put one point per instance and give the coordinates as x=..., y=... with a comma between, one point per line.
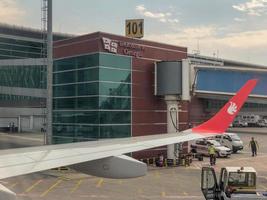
x=211, y=150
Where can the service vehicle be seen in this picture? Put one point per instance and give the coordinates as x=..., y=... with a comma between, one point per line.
x=230, y=140
x=262, y=123
x=239, y=123
x=251, y=119
x=235, y=183
x=201, y=147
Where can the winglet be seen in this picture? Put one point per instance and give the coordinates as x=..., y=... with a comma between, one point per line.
x=221, y=121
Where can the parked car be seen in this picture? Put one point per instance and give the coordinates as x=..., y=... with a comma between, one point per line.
x=262, y=123
x=230, y=140
x=201, y=147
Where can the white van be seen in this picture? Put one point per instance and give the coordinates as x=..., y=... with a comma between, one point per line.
x=230, y=140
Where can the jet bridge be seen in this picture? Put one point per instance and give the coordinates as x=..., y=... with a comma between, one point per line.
x=172, y=82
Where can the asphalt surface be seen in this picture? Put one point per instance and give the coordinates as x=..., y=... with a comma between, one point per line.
x=160, y=183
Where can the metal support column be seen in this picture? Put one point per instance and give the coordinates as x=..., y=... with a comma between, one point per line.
x=48, y=138
x=172, y=121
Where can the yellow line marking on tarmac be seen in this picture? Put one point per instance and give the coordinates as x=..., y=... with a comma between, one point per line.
x=77, y=185
x=185, y=193
x=163, y=194
x=33, y=186
x=100, y=182
x=13, y=185
x=51, y=188
x=120, y=182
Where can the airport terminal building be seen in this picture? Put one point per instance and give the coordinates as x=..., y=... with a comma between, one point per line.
x=104, y=87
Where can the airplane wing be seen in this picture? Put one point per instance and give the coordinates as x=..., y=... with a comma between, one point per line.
x=105, y=158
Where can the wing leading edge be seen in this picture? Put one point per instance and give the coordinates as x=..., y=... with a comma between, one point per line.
x=16, y=162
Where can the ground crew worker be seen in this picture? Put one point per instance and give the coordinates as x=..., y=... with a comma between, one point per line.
x=254, y=146
x=212, y=153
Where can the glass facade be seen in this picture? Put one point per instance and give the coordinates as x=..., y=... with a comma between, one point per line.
x=13, y=48
x=23, y=76
x=91, y=98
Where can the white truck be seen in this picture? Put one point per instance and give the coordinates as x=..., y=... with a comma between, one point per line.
x=236, y=183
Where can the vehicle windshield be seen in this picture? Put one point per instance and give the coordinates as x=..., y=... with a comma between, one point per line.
x=235, y=137
x=215, y=143
x=242, y=179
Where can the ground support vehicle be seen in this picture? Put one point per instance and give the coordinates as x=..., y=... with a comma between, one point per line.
x=230, y=140
x=201, y=147
x=236, y=183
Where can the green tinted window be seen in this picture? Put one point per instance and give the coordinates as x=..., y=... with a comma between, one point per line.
x=115, y=117
x=87, y=89
x=87, y=61
x=64, y=77
x=106, y=74
x=64, y=90
x=81, y=103
x=64, y=103
x=87, y=103
x=64, y=64
x=76, y=62
x=115, y=103
x=76, y=117
x=116, y=61
x=75, y=132
x=114, y=89
x=87, y=75
x=115, y=131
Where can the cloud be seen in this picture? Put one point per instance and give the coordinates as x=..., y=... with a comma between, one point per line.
x=231, y=45
x=239, y=19
x=10, y=11
x=160, y=16
x=252, y=7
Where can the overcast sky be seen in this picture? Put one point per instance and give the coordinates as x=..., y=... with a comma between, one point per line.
x=233, y=29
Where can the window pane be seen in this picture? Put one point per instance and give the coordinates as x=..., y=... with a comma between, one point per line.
x=88, y=75
x=64, y=77
x=87, y=89
x=64, y=90
x=115, y=103
x=87, y=117
x=114, y=89
x=64, y=64
x=67, y=103
x=87, y=103
x=74, y=133
x=116, y=61
x=114, y=75
x=76, y=117
x=87, y=61
x=115, y=131
x=81, y=103
x=115, y=117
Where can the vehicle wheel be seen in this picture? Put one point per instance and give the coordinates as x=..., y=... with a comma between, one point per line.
x=234, y=151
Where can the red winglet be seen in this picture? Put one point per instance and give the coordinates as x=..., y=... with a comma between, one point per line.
x=221, y=121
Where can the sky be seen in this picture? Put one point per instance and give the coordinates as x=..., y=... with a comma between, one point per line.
x=230, y=29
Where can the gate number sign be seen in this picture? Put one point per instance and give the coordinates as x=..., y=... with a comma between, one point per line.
x=134, y=28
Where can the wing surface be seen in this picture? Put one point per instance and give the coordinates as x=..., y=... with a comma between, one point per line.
x=21, y=161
